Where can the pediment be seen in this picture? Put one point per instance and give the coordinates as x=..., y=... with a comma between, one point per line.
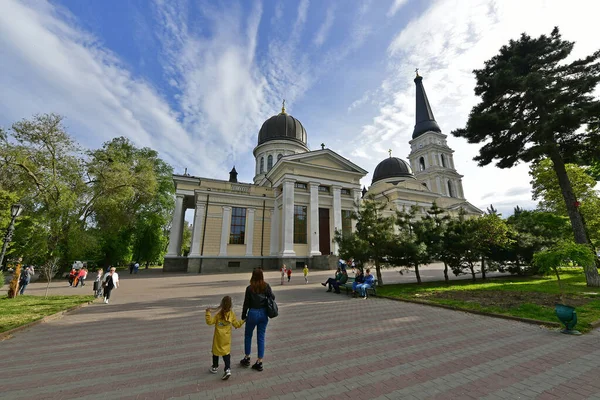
x=325, y=159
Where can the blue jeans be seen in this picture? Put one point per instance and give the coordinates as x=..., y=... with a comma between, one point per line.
x=354, y=285
x=362, y=288
x=257, y=318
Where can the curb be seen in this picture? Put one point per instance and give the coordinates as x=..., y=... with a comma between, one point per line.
x=595, y=324
x=8, y=334
x=487, y=314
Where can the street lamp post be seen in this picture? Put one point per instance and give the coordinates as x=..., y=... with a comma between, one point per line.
x=15, y=211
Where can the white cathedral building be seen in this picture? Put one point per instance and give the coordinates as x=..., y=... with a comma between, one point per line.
x=299, y=197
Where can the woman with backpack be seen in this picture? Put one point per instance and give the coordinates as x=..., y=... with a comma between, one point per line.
x=254, y=311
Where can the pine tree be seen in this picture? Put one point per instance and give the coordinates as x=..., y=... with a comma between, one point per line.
x=533, y=104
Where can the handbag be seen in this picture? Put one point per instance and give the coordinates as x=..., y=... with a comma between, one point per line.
x=272, y=310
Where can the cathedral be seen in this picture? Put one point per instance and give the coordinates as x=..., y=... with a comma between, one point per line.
x=299, y=197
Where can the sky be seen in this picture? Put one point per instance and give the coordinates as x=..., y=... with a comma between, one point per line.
x=196, y=79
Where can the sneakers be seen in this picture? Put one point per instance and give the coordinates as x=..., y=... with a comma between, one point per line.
x=258, y=366
x=245, y=362
x=213, y=370
x=324, y=284
x=226, y=374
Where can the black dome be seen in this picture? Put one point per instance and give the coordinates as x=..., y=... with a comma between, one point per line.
x=282, y=126
x=392, y=167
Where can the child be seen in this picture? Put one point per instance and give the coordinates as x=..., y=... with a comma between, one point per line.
x=305, y=271
x=289, y=274
x=223, y=320
x=283, y=271
x=98, y=283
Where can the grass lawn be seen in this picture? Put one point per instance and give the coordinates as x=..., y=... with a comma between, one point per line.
x=24, y=309
x=525, y=297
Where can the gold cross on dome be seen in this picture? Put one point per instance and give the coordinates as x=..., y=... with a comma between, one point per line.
x=390, y=151
x=283, y=107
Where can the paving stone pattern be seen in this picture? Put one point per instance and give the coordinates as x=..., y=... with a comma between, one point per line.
x=151, y=342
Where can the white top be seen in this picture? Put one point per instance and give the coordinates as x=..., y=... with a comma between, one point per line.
x=115, y=278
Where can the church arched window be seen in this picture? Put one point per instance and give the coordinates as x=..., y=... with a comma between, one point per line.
x=279, y=156
x=443, y=160
x=450, y=190
x=421, y=164
x=269, y=162
x=262, y=165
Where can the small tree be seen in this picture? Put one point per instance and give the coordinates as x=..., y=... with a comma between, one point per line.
x=491, y=236
x=371, y=241
x=48, y=270
x=437, y=220
x=412, y=246
x=561, y=255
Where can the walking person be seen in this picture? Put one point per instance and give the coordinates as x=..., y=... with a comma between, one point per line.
x=283, y=273
x=110, y=281
x=223, y=320
x=305, y=272
x=289, y=274
x=98, y=283
x=254, y=312
x=25, y=278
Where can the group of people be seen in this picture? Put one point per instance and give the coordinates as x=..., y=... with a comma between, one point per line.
x=77, y=276
x=254, y=315
x=362, y=280
x=285, y=271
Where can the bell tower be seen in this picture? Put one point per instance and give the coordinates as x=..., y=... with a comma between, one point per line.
x=430, y=157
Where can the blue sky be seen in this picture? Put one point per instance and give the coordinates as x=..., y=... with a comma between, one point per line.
x=195, y=80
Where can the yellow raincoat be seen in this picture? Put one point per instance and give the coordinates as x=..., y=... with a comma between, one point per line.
x=222, y=337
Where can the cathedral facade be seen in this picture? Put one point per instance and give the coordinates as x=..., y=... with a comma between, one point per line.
x=300, y=197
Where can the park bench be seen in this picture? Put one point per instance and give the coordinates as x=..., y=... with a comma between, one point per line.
x=348, y=286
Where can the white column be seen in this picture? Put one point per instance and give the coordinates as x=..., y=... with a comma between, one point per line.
x=197, y=230
x=288, y=219
x=356, y=196
x=176, y=228
x=337, y=212
x=275, y=235
x=225, y=230
x=249, y=230
x=313, y=222
x=440, y=189
x=460, y=189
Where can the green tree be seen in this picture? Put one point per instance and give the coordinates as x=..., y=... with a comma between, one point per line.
x=371, y=241
x=532, y=231
x=491, y=237
x=533, y=104
x=42, y=165
x=547, y=191
x=411, y=245
x=437, y=221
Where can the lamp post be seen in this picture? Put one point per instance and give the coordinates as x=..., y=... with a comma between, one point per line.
x=15, y=211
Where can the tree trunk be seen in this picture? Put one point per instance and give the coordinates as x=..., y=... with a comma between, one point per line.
x=591, y=272
x=47, y=286
x=378, y=271
x=446, y=273
x=482, y=267
x=418, y=273
x=472, y=268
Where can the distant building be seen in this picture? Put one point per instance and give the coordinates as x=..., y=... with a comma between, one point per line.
x=300, y=197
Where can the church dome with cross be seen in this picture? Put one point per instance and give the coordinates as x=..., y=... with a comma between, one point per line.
x=282, y=127
x=392, y=167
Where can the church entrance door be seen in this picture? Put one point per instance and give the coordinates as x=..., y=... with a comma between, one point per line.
x=324, y=238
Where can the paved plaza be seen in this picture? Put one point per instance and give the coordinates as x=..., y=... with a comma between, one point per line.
x=151, y=342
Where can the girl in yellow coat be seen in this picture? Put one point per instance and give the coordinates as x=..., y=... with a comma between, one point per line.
x=223, y=320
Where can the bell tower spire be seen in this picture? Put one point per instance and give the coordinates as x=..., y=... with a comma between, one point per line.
x=424, y=119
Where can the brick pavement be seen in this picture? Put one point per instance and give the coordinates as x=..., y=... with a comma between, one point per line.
x=151, y=342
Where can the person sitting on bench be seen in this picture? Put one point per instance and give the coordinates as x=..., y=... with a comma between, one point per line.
x=335, y=284
x=330, y=281
x=369, y=280
x=358, y=279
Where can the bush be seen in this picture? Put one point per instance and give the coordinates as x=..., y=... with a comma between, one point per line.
x=1, y=279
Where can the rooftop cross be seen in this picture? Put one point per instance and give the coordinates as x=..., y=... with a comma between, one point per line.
x=417, y=71
x=390, y=151
x=283, y=107
x=322, y=146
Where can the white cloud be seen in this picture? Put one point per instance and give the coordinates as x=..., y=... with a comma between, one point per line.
x=447, y=42
x=56, y=67
x=323, y=30
x=395, y=7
